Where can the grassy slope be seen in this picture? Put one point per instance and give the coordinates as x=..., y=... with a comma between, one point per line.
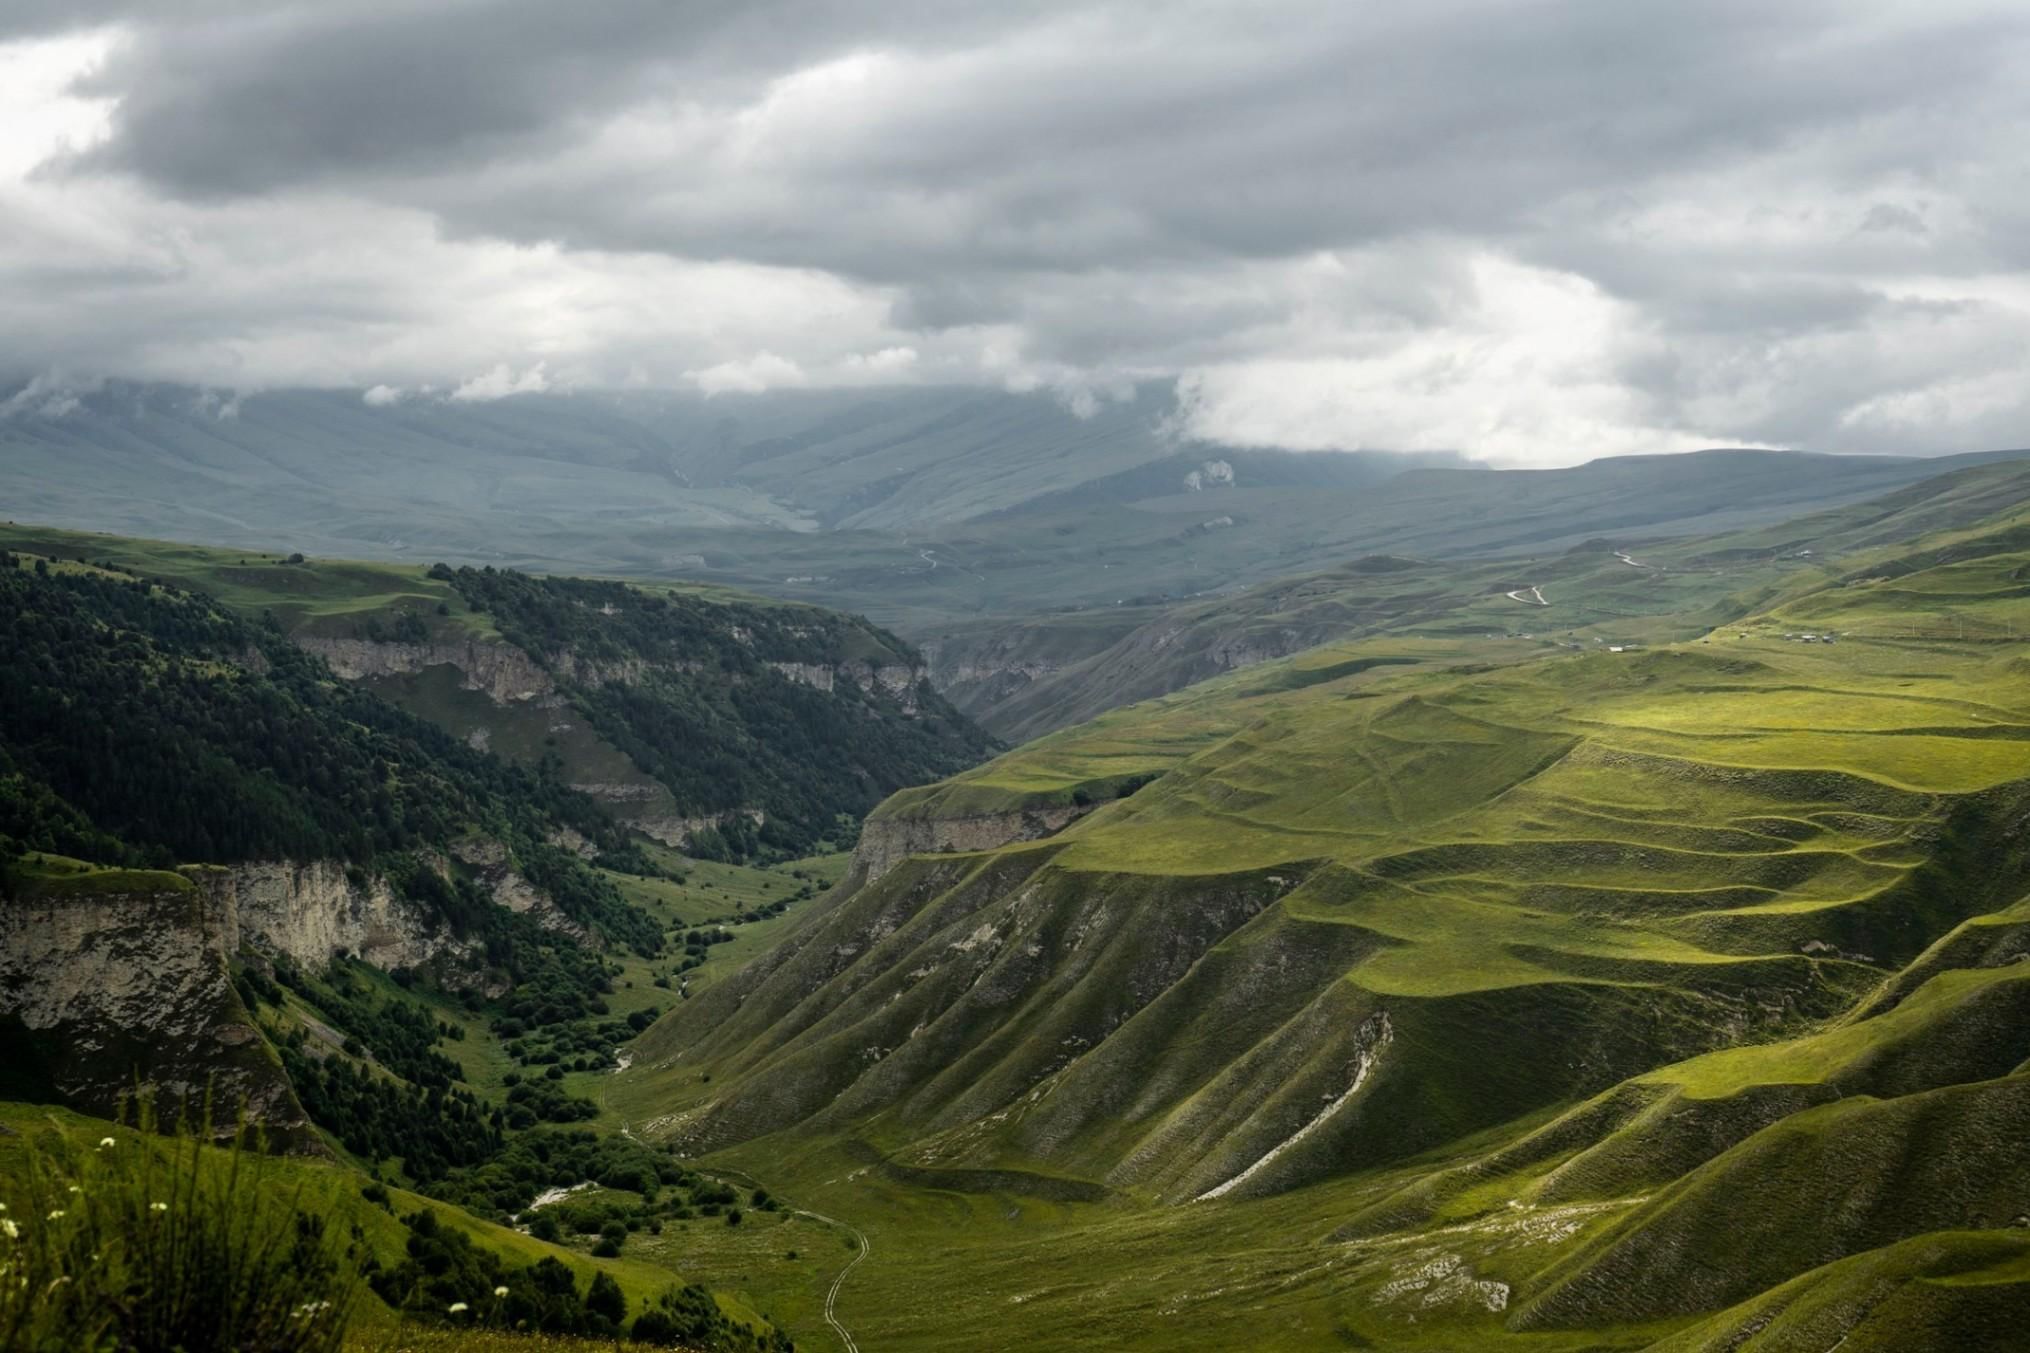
x=334, y=1191
x=1557, y=874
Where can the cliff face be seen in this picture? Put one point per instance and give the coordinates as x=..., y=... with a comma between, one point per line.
x=495, y=868
x=313, y=913
x=122, y=978
x=897, y=679
x=503, y=672
x=887, y=841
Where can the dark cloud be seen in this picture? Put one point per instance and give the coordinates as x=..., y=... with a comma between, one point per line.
x=1711, y=221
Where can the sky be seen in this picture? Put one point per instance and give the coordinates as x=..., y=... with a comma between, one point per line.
x=1535, y=231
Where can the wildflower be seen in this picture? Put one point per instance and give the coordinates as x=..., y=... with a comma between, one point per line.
x=12, y=1231
x=75, y=1189
x=458, y=1308
x=158, y=1207
x=105, y=1142
x=500, y=1291
x=56, y=1214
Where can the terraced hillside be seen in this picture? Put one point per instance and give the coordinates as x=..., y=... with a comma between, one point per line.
x=1439, y=992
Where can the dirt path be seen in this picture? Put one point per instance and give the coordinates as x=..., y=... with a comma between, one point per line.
x=1528, y=596
x=832, y=1293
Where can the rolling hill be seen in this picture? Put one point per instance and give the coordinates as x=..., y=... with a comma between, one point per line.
x=1445, y=990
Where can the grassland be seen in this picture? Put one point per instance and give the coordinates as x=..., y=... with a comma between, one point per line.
x=1451, y=987
x=1461, y=991
x=334, y=1191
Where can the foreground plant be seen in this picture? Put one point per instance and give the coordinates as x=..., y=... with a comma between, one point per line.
x=155, y=1243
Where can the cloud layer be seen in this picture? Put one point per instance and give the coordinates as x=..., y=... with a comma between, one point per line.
x=1536, y=232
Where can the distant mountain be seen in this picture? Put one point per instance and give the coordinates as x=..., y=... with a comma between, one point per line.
x=917, y=507
x=1030, y=676
x=547, y=476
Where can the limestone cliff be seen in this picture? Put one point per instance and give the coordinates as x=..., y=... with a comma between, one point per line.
x=489, y=859
x=314, y=912
x=503, y=672
x=887, y=841
x=119, y=978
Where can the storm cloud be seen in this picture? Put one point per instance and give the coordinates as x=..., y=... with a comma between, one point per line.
x=1536, y=232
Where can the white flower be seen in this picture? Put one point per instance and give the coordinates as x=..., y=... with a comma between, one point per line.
x=56, y=1214
x=75, y=1189
x=500, y=1291
x=105, y=1142
x=158, y=1207
x=458, y=1308
x=7, y=1225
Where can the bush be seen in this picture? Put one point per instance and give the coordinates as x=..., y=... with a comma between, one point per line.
x=138, y=1242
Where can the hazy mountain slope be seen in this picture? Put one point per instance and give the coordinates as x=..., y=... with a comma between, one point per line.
x=1433, y=993
x=915, y=506
x=1029, y=677
x=1185, y=546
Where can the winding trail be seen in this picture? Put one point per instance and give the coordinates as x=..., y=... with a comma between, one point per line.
x=832, y=1294
x=1528, y=596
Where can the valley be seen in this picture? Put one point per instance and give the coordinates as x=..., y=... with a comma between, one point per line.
x=1362, y=959
x=1043, y=678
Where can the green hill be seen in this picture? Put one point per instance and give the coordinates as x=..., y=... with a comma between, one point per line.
x=1445, y=990
x=713, y=720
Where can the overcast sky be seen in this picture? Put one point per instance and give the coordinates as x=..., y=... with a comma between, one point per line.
x=1532, y=230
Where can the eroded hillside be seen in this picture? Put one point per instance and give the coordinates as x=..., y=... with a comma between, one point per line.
x=1446, y=990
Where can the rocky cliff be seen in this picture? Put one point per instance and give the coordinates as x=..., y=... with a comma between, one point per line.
x=504, y=673
x=121, y=977
x=315, y=912
x=887, y=841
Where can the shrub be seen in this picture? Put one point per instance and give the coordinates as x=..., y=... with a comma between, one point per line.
x=134, y=1241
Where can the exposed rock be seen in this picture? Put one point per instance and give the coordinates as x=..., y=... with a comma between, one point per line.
x=505, y=673
x=815, y=675
x=886, y=841
x=894, y=679
x=315, y=912
x=490, y=860
x=125, y=982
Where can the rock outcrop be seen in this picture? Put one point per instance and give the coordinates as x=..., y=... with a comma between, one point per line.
x=895, y=679
x=120, y=979
x=887, y=841
x=489, y=860
x=315, y=912
x=503, y=672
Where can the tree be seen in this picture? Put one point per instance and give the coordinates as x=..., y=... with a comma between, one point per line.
x=605, y=1299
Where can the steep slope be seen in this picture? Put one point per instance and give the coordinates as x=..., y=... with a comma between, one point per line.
x=710, y=720
x=1435, y=994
